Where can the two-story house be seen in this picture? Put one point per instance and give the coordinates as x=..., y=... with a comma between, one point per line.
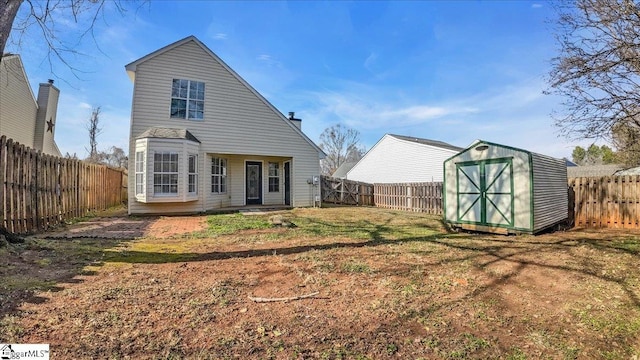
x=202, y=138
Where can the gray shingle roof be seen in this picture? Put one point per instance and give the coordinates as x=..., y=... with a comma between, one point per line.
x=343, y=169
x=435, y=143
x=592, y=170
x=168, y=133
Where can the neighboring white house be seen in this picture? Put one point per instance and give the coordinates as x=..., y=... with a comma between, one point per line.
x=24, y=118
x=202, y=138
x=403, y=159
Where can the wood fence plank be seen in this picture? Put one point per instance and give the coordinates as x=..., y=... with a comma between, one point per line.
x=3, y=186
x=38, y=191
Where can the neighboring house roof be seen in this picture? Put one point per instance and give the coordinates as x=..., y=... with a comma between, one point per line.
x=168, y=133
x=593, y=170
x=436, y=143
x=570, y=163
x=342, y=170
x=131, y=69
x=630, y=171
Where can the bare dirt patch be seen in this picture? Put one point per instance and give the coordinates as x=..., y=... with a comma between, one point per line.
x=390, y=284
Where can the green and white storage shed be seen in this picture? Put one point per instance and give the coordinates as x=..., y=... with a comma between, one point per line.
x=502, y=189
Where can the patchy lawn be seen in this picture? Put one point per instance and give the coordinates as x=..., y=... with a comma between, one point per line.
x=390, y=285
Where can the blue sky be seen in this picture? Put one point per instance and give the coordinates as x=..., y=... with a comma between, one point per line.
x=453, y=71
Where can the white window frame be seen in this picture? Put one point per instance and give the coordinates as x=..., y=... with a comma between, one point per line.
x=168, y=171
x=193, y=99
x=139, y=172
x=218, y=175
x=272, y=176
x=192, y=174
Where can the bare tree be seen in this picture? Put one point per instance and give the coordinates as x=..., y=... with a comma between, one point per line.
x=94, y=130
x=627, y=138
x=340, y=144
x=115, y=157
x=45, y=16
x=598, y=69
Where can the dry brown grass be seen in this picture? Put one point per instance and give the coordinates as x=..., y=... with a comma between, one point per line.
x=391, y=285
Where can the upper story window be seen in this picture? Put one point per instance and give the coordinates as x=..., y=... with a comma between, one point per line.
x=187, y=99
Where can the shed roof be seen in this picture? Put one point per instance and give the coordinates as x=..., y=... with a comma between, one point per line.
x=168, y=133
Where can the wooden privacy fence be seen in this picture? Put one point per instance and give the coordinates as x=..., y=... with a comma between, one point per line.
x=38, y=191
x=610, y=201
x=419, y=197
x=346, y=192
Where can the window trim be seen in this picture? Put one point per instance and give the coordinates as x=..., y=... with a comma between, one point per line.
x=193, y=174
x=220, y=175
x=139, y=173
x=171, y=174
x=188, y=100
x=275, y=186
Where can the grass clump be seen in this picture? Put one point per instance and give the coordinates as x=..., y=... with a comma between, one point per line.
x=230, y=223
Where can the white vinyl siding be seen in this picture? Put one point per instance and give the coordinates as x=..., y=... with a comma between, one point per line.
x=236, y=123
x=18, y=107
x=393, y=160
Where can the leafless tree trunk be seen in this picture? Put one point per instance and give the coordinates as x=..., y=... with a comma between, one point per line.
x=8, y=12
x=598, y=69
x=94, y=131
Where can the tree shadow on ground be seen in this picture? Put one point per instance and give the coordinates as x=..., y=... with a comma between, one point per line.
x=483, y=250
x=47, y=261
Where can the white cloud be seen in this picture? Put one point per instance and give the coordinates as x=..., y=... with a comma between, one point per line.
x=370, y=113
x=536, y=6
x=220, y=36
x=370, y=61
x=516, y=115
x=264, y=57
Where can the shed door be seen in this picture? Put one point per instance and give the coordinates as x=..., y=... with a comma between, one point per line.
x=485, y=192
